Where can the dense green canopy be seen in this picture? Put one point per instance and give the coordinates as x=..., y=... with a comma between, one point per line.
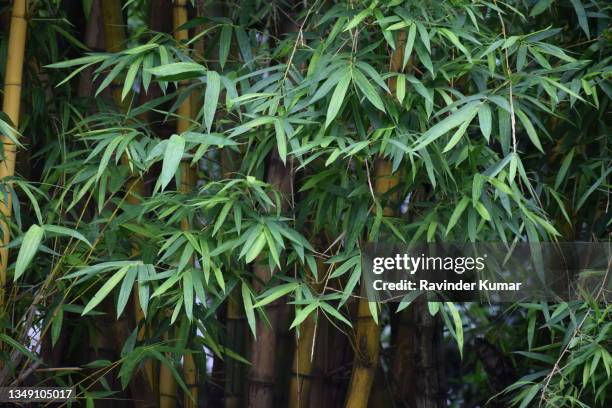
x=166, y=187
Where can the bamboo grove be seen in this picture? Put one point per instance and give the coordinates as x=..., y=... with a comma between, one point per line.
x=187, y=186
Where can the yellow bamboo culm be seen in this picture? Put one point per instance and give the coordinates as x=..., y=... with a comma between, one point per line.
x=367, y=346
x=299, y=385
x=114, y=36
x=10, y=105
x=367, y=350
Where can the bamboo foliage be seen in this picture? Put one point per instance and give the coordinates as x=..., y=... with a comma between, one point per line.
x=369, y=122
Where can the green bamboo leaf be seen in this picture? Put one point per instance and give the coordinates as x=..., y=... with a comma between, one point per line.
x=143, y=287
x=533, y=391
x=224, y=44
x=592, y=188
x=263, y=120
x=29, y=246
x=211, y=98
x=423, y=35
x=247, y=301
x=126, y=288
x=400, y=87
x=281, y=140
x=178, y=68
x=256, y=248
x=433, y=307
x=112, y=75
x=219, y=278
x=425, y=58
x=105, y=289
x=172, y=158
x=373, y=306
x=273, y=250
x=458, y=325
x=368, y=90
x=477, y=186
x=337, y=98
x=18, y=346
x=531, y=132
x=244, y=44
x=409, y=44
x=485, y=120
x=482, y=210
x=346, y=265
x=372, y=73
x=301, y=315
x=275, y=293
x=90, y=59
x=56, y=325
x=130, y=76
x=582, y=17
x=140, y=49
x=27, y=189
x=108, y=153
x=465, y=114
x=457, y=213
x=456, y=42
x=567, y=161
x=221, y=217
x=456, y=136
x=168, y=283
x=355, y=21
x=56, y=229
x=335, y=313
x=188, y=294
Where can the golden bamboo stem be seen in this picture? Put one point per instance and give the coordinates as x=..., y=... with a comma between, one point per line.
x=10, y=105
x=191, y=375
x=299, y=385
x=367, y=347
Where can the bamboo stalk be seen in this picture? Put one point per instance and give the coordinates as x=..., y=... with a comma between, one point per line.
x=367, y=350
x=112, y=19
x=367, y=347
x=300, y=383
x=267, y=367
x=191, y=376
x=367, y=337
x=262, y=375
x=11, y=105
x=236, y=336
